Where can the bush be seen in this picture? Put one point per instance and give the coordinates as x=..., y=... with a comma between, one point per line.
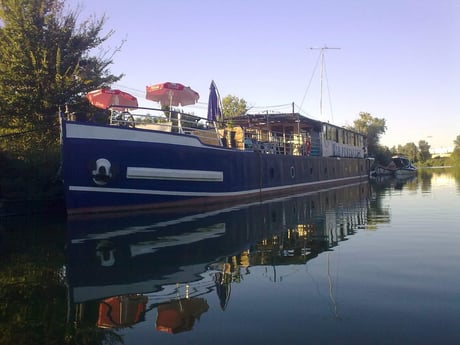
x=31, y=174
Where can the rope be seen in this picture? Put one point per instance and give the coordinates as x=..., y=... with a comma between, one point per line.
x=328, y=93
x=311, y=78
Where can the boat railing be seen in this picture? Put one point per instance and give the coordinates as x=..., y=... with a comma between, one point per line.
x=217, y=134
x=168, y=121
x=122, y=118
x=278, y=143
x=213, y=133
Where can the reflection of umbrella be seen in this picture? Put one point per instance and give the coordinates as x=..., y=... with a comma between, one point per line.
x=121, y=311
x=104, y=98
x=179, y=316
x=214, y=108
x=172, y=94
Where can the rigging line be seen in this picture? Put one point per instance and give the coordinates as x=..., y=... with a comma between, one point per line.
x=129, y=88
x=304, y=112
x=331, y=289
x=328, y=93
x=310, y=81
x=313, y=280
x=273, y=106
x=198, y=104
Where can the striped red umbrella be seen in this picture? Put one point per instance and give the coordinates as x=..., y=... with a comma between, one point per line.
x=172, y=94
x=116, y=99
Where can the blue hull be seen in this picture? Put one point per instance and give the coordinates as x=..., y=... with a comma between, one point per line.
x=109, y=168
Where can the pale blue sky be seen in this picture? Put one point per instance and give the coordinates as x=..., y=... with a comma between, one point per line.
x=398, y=59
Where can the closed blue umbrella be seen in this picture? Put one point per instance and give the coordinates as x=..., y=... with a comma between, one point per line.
x=214, y=107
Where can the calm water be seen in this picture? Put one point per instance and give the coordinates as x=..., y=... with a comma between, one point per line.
x=372, y=263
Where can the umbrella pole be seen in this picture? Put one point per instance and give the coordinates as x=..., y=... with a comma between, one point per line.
x=170, y=94
x=214, y=123
x=179, y=122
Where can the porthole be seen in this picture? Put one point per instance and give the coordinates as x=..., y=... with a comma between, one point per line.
x=292, y=172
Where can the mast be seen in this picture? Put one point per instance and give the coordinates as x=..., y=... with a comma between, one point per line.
x=322, y=49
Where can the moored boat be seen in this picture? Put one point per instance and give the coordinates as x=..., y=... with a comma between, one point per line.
x=404, y=166
x=180, y=160
x=400, y=166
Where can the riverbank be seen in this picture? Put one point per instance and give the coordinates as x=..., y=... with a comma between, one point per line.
x=21, y=207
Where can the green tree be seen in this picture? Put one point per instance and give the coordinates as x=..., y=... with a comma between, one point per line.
x=233, y=106
x=373, y=128
x=455, y=155
x=423, y=151
x=410, y=150
x=46, y=62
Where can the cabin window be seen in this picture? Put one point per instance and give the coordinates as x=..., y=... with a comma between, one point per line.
x=340, y=138
x=331, y=133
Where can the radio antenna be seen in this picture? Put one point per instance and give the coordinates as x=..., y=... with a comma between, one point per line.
x=322, y=50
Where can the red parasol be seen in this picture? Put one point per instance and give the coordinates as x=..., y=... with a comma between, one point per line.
x=172, y=94
x=104, y=98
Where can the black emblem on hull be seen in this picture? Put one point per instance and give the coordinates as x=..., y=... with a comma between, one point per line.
x=103, y=172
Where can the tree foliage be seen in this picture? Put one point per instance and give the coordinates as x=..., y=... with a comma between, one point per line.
x=373, y=128
x=423, y=151
x=455, y=156
x=233, y=106
x=410, y=150
x=47, y=60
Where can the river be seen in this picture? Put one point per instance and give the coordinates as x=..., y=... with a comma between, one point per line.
x=370, y=263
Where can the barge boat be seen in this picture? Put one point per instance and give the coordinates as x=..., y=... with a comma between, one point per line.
x=180, y=160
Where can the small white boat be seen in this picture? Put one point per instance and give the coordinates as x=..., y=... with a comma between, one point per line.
x=404, y=166
x=399, y=166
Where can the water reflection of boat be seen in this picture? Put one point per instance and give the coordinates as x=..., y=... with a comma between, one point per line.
x=390, y=181
x=155, y=255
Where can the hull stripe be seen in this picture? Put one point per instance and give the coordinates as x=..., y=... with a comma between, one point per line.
x=174, y=174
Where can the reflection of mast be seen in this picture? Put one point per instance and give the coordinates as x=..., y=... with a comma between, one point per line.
x=322, y=49
x=331, y=291
x=223, y=283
